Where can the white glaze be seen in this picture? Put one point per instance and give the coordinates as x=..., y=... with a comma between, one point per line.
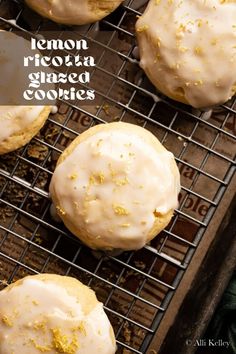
x=113, y=169
x=14, y=119
x=74, y=12
x=54, y=109
x=190, y=46
x=30, y=312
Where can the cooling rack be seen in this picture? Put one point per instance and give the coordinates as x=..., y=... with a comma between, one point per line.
x=135, y=287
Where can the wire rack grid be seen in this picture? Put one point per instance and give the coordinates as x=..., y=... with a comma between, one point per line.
x=135, y=287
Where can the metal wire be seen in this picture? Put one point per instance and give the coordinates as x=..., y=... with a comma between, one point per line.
x=134, y=282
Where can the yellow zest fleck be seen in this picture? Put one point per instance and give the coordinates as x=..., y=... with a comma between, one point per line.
x=158, y=42
x=227, y=1
x=73, y=176
x=80, y=328
x=198, y=82
x=198, y=50
x=119, y=210
x=76, y=205
x=157, y=214
x=113, y=172
x=142, y=28
x=97, y=178
x=199, y=22
x=34, y=302
x=214, y=41
x=99, y=142
x=40, y=326
x=7, y=321
x=60, y=210
x=38, y=240
x=63, y=344
x=233, y=89
x=190, y=21
x=182, y=28
x=16, y=313
x=157, y=2
x=106, y=108
x=91, y=180
x=41, y=348
x=96, y=153
x=121, y=182
x=180, y=3
x=125, y=225
x=183, y=49
x=101, y=177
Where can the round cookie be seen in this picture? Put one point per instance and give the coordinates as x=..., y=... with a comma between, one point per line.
x=19, y=124
x=52, y=314
x=188, y=49
x=115, y=187
x=74, y=12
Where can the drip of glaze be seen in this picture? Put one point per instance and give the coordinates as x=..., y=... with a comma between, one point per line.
x=54, y=214
x=54, y=109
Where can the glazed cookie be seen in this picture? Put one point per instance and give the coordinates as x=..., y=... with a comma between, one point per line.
x=116, y=187
x=188, y=49
x=74, y=12
x=53, y=314
x=19, y=124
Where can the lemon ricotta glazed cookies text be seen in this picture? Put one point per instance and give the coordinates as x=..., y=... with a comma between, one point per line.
x=188, y=49
x=53, y=314
x=74, y=12
x=116, y=186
